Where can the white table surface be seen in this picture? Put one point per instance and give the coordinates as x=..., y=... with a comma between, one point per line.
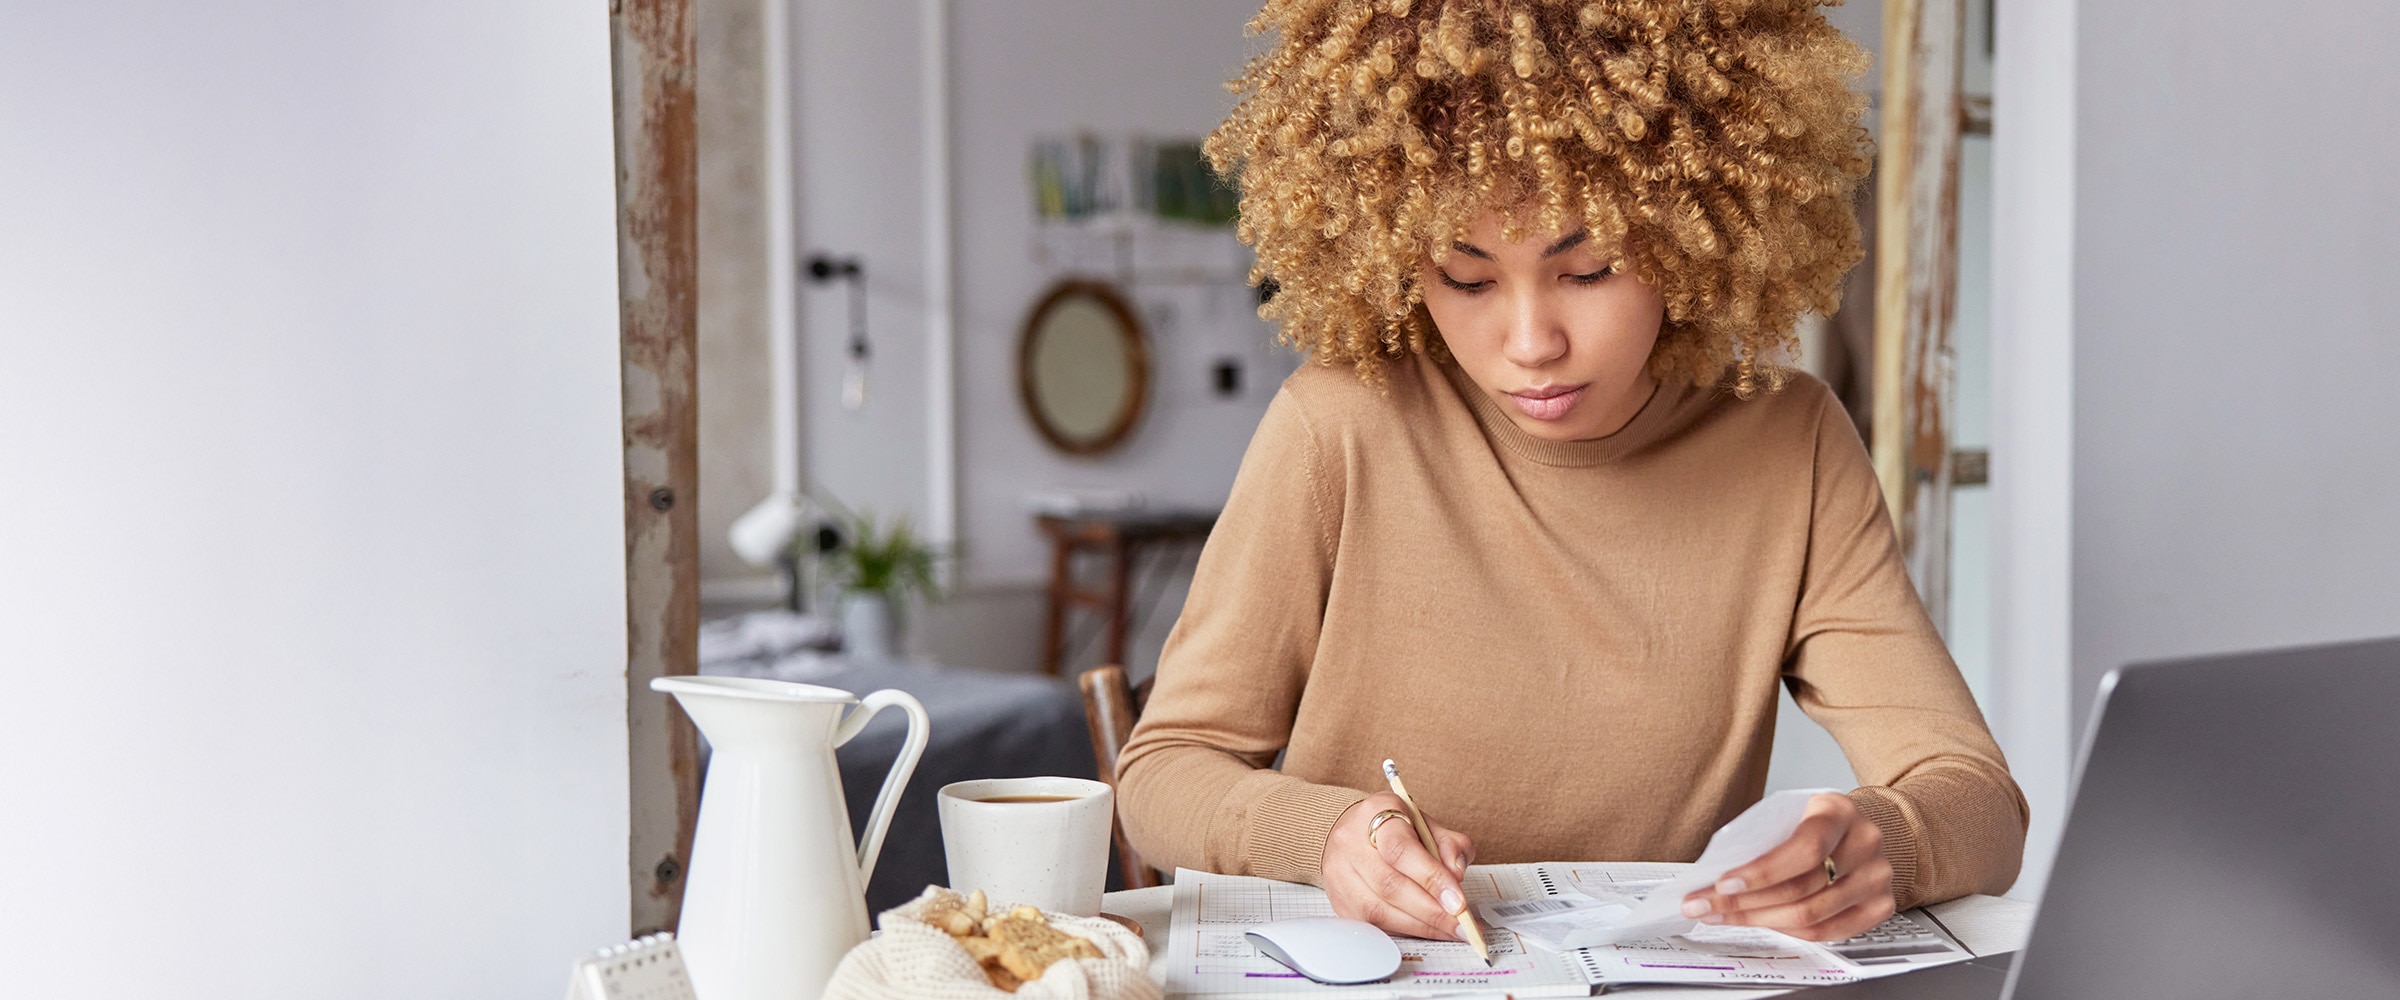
x=1985, y=924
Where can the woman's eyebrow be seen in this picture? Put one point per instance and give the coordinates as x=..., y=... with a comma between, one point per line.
x=1573, y=240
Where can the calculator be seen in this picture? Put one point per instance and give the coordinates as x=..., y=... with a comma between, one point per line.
x=1904, y=938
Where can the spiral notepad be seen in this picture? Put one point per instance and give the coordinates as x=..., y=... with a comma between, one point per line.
x=646, y=969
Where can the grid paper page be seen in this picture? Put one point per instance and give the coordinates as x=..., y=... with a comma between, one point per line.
x=1208, y=956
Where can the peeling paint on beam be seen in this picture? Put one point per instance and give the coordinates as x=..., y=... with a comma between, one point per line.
x=1916, y=282
x=651, y=44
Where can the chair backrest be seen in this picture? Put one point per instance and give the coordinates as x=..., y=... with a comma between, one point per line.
x=1110, y=706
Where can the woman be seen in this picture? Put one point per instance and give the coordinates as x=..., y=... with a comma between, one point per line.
x=1541, y=522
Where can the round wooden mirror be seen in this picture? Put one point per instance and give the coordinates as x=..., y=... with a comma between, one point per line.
x=1083, y=367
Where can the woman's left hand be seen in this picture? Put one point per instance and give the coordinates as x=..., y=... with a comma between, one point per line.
x=1788, y=888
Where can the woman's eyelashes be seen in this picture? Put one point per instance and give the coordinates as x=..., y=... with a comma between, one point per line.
x=1473, y=287
x=1469, y=287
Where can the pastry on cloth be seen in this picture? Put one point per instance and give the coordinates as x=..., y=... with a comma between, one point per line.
x=1013, y=948
x=915, y=957
x=1027, y=944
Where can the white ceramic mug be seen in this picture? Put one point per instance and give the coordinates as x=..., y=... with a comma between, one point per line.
x=1051, y=853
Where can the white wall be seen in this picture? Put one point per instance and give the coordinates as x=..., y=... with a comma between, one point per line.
x=1016, y=69
x=2237, y=445
x=1051, y=68
x=311, y=598
x=735, y=352
x=2195, y=433
x=859, y=160
x=2034, y=262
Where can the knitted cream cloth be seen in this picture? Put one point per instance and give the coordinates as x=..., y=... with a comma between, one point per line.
x=911, y=960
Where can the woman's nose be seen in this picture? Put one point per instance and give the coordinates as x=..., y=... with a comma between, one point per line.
x=1535, y=337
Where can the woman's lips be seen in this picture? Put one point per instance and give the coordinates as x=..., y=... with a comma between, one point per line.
x=1549, y=403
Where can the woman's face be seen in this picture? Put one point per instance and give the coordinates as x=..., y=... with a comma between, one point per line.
x=1560, y=342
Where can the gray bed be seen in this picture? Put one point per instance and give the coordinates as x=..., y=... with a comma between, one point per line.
x=983, y=725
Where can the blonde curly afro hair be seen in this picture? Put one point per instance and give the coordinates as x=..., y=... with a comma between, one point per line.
x=1711, y=145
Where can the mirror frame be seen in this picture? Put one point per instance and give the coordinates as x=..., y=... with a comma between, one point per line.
x=1137, y=356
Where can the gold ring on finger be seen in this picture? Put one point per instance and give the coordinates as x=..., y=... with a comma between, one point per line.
x=1831, y=875
x=1378, y=821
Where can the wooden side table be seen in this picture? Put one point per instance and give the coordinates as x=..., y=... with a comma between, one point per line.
x=1121, y=538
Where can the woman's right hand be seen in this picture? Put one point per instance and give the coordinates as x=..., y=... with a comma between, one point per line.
x=1389, y=879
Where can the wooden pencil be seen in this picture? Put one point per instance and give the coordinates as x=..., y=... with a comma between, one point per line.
x=1467, y=927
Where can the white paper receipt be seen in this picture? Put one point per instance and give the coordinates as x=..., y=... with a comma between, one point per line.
x=1560, y=923
x=1581, y=920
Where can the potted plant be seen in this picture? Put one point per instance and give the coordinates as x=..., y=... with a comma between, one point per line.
x=878, y=568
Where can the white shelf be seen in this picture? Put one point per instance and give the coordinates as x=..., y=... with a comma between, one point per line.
x=1133, y=249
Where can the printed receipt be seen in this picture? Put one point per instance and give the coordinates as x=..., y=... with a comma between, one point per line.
x=1586, y=918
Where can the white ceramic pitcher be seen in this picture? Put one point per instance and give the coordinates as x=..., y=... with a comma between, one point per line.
x=776, y=892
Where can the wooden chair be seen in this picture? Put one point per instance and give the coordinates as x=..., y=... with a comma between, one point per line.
x=1122, y=538
x=1110, y=707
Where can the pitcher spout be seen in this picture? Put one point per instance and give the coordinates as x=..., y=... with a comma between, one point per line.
x=731, y=710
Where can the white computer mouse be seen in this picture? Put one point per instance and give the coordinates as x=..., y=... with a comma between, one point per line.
x=1329, y=949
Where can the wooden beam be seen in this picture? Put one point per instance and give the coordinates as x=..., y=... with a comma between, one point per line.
x=1916, y=281
x=651, y=42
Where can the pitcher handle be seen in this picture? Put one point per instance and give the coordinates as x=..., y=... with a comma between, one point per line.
x=888, y=799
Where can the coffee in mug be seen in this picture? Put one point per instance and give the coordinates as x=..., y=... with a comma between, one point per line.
x=1030, y=841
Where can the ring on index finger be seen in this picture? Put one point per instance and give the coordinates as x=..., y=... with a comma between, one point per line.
x=1378, y=821
x=1831, y=875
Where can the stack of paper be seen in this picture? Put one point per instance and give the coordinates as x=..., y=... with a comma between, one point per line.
x=1557, y=930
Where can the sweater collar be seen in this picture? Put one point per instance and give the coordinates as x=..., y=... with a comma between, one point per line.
x=1645, y=426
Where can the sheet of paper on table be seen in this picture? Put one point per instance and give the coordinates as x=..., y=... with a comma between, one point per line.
x=1207, y=956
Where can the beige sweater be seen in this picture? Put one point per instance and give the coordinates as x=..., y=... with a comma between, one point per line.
x=1571, y=648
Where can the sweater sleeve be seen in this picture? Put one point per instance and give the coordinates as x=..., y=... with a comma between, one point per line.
x=1194, y=784
x=1866, y=663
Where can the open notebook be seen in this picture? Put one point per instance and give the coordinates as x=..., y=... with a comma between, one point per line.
x=1207, y=955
